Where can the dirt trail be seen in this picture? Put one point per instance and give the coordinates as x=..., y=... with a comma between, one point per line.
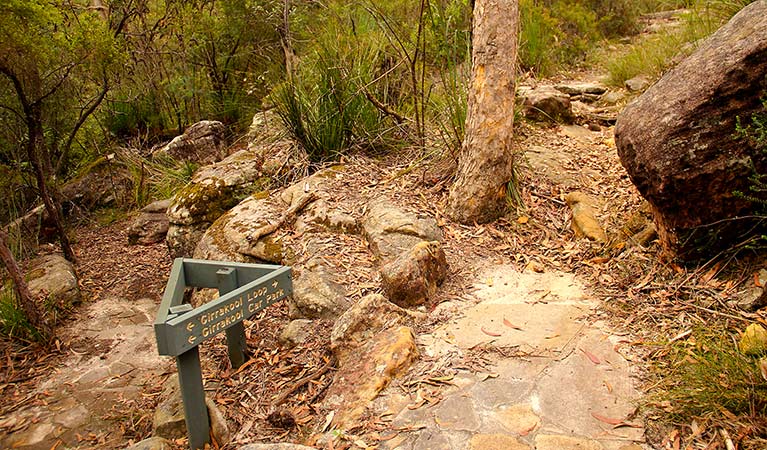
x=515, y=328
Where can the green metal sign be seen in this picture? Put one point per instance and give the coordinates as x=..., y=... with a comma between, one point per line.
x=244, y=290
x=179, y=328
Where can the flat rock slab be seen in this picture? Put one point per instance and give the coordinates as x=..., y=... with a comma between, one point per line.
x=565, y=395
x=119, y=359
x=537, y=312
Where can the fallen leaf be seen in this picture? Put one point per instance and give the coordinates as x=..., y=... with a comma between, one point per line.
x=511, y=325
x=523, y=220
x=486, y=376
x=490, y=333
x=757, y=282
x=328, y=420
x=388, y=436
x=592, y=357
x=763, y=367
x=608, y=386
x=607, y=420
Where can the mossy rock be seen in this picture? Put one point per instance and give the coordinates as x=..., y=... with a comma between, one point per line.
x=754, y=341
x=228, y=237
x=201, y=202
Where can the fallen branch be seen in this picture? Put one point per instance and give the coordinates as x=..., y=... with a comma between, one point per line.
x=288, y=215
x=303, y=381
x=384, y=108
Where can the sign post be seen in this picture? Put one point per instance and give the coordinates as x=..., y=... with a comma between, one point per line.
x=244, y=290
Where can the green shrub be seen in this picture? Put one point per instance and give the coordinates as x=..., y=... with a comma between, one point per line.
x=325, y=107
x=754, y=131
x=449, y=106
x=13, y=322
x=157, y=178
x=706, y=376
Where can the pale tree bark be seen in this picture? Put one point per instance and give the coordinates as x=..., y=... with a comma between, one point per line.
x=486, y=163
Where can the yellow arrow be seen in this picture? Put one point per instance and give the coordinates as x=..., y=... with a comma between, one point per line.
x=191, y=339
x=189, y=326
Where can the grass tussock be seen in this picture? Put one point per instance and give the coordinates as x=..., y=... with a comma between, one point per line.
x=13, y=322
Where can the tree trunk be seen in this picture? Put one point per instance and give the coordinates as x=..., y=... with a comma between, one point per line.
x=41, y=163
x=27, y=303
x=485, y=164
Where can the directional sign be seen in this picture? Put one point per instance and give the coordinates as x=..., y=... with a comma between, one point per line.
x=244, y=290
x=177, y=331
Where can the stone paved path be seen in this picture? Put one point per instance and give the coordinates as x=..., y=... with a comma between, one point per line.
x=566, y=395
x=91, y=394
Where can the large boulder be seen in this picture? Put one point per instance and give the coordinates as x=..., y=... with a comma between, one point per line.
x=228, y=239
x=230, y=236
x=547, y=104
x=151, y=224
x=213, y=190
x=413, y=278
x=104, y=182
x=203, y=142
x=391, y=231
x=678, y=143
x=54, y=279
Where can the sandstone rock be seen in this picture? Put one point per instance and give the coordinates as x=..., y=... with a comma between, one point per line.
x=384, y=356
x=551, y=164
x=365, y=319
x=754, y=297
x=183, y=239
x=754, y=340
x=637, y=84
x=104, y=182
x=169, y=423
x=548, y=105
x=153, y=443
x=319, y=214
x=581, y=87
x=412, y=278
x=585, y=223
x=556, y=442
x=158, y=206
x=639, y=228
x=496, y=442
x=53, y=278
x=391, y=231
x=520, y=418
x=203, y=142
x=296, y=332
x=316, y=296
x=676, y=140
x=228, y=238
x=151, y=225
x=612, y=97
x=280, y=446
x=213, y=190
x=317, y=183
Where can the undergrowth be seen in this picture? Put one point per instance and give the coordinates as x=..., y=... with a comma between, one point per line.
x=706, y=380
x=13, y=322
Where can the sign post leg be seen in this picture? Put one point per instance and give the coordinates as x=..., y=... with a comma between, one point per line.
x=235, y=335
x=193, y=395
